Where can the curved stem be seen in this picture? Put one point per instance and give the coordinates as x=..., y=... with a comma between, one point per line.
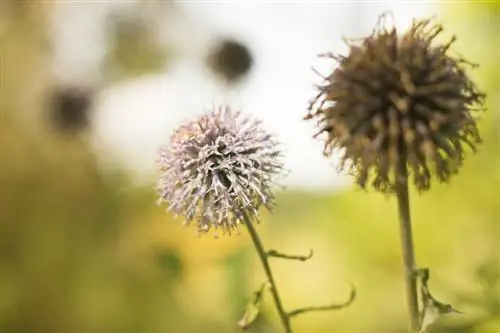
x=325, y=307
x=267, y=269
x=407, y=249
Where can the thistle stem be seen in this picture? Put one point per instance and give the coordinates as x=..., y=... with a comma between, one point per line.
x=285, y=320
x=407, y=250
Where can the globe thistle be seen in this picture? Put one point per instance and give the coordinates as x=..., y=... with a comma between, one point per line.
x=398, y=105
x=218, y=170
x=70, y=108
x=231, y=60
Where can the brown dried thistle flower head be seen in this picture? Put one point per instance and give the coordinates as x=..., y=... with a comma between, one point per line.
x=398, y=105
x=219, y=168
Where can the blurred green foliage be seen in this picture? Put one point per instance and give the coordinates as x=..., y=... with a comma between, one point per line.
x=132, y=51
x=81, y=253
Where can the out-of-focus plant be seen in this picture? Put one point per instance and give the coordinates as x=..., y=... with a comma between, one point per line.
x=63, y=267
x=231, y=60
x=133, y=50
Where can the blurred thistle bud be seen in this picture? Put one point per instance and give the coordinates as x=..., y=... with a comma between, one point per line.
x=231, y=60
x=70, y=108
x=398, y=105
x=218, y=169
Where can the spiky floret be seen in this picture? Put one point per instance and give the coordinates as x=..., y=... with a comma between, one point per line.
x=219, y=168
x=398, y=105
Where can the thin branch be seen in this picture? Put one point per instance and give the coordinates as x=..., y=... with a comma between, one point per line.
x=351, y=299
x=276, y=254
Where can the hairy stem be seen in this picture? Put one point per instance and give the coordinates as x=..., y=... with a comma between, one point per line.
x=267, y=269
x=407, y=250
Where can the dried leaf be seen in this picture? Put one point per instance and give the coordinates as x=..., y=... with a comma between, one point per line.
x=432, y=308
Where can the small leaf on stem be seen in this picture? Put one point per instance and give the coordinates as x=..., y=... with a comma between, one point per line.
x=432, y=309
x=253, y=308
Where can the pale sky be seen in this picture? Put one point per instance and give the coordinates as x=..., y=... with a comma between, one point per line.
x=133, y=118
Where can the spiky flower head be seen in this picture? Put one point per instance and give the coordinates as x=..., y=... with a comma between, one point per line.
x=398, y=105
x=218, y=169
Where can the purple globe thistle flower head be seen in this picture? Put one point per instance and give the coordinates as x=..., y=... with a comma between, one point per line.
x=218, y=169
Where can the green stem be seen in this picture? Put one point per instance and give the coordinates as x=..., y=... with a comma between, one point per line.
x=267, y=269
x=325, y=307
x=276, y=254
x=407, y=250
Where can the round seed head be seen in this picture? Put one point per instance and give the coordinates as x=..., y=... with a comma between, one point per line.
x=218, y=169
x=398, y=105
x=70, y=108
x=231, y=60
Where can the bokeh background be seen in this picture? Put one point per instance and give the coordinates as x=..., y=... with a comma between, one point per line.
x=88, y=90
